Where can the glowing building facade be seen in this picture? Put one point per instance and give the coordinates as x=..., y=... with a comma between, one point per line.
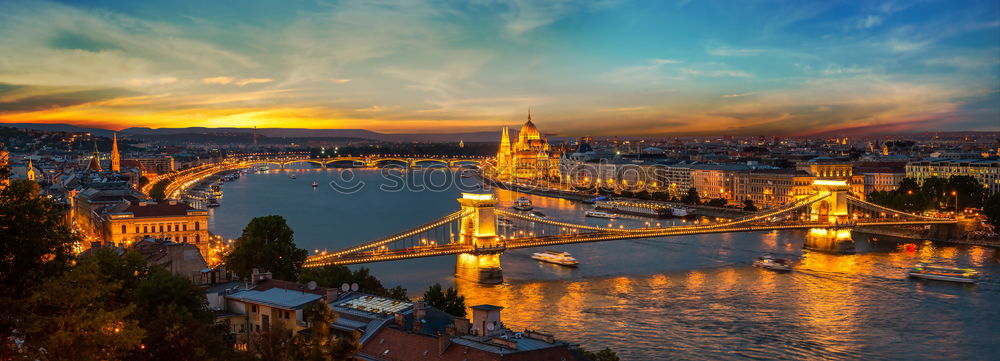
x=528, y=158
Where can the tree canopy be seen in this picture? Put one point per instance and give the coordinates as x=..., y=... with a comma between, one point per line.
x=267, y=243
x=446, y=300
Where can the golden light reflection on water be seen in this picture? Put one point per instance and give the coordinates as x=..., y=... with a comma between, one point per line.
x=827, y=302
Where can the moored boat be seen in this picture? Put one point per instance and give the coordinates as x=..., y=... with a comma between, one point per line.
x=559, y=258
x=681, y=211
x=595, y=200
x=538, y=214
x=599, y=214
x=293, y=176
x=523, y=204
x=962, y=275
x=771, y=263
x=315, y=184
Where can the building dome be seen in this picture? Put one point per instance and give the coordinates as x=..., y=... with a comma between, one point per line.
x=528, y=131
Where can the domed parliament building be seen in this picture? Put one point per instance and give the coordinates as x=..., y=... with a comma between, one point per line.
x=529, y=158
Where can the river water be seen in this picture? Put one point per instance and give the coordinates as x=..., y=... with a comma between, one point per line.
x=689, y=297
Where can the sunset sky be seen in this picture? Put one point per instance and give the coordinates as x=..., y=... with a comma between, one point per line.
x=601, y=67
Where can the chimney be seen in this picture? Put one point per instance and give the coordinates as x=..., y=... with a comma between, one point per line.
x=419, y=313
x=332, y=293
x=399, y=319
x=462, y=326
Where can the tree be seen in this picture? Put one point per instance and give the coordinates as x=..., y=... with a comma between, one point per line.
x=268, y=244
x=991, y=209
x=717, y=202
x=324, y=343
x=968, y=190
x=336, y=275
x=35, y=244
x=749, y=206
x=603, y=355
x=74, y=317
x=178, y=323
x=691, y=197
x=158, y=192
x=448, y=301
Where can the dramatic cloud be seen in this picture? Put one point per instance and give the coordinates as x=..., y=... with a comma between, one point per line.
x=583, y=67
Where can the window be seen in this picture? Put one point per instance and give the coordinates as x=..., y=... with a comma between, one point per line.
x=136, y=229
x=253, y=308
x=161, y=228
x=185, y=239
x=168, y=228
x=197, y=226
x=185, y=226
x=124, y=229
x=197, y=238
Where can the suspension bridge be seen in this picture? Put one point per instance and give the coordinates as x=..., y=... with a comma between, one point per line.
x=479, y=232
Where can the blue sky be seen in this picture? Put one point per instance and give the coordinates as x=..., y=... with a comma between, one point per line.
x=582, y=67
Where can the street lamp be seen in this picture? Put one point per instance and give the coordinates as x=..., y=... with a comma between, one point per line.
x=955, y=194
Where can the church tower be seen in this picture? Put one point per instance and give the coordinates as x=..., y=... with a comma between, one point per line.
x=116, y=164
x=30, y=172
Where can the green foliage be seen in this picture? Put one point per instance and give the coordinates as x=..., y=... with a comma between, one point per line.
x=991, y=209
x=74, y=317
x=749, y=206
x=603, y=355
x=268, y=244
x=935, y=193
x=717, y=202
x=324, y=343
x=446, y=300
x=337, y=275
x=158, y=192
x=143, y=181
x=691, y=197
x=35, y=245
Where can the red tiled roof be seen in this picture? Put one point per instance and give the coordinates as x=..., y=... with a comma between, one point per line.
x=161, y=209
x=406, y=346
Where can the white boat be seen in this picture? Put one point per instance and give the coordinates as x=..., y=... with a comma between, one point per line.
x=771, y=263
x=560, y=258
x=523, y=204
x=599, y=214
x=314, y=184
x=538, y=214
x=963, y=275
x=681, y=212
x=293, y=176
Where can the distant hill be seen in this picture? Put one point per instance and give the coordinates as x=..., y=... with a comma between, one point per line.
x=361, y=134
x=327, y=133
x=60, y=128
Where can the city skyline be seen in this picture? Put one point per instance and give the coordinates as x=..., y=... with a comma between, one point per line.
x=606, y=68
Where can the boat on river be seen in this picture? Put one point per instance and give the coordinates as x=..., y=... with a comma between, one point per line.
x=539, y=215
x=599, y=214
x=559, y=258
x=315, y=184
x=293, y=176
x=962, y=275
x=771, y=263
x=523, y=204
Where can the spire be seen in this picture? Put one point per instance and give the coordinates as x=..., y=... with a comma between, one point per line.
x=30, y=173
x=115, y=157
x=529, y=114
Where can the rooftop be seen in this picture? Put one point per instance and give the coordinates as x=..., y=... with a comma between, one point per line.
x=276, y=297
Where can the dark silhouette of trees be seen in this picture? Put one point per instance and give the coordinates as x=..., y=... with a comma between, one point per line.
x=268, y=244
x=446, y=300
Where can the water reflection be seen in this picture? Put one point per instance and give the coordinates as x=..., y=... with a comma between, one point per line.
x=692, y=297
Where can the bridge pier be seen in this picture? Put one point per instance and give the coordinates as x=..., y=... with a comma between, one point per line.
x=478, y=228
x=830, y=240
